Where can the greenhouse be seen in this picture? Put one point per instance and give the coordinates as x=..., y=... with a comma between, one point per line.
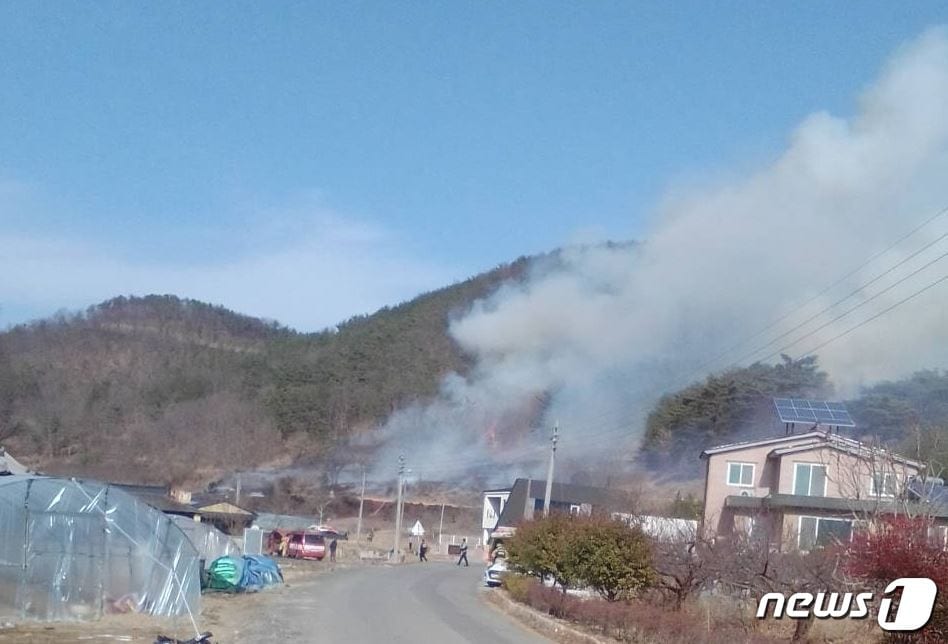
x=74, y=550
x=209, y=542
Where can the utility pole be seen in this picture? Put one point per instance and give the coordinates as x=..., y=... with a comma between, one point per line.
x=237, y=492
x=398, y=507
x=441, y=525
x=549, y=472
x=361, y=502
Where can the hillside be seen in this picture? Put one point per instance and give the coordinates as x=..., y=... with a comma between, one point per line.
x=159, y=388
x=909, y=415
x=163, y=389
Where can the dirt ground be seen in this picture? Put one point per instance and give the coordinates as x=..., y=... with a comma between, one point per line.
x=221, y=613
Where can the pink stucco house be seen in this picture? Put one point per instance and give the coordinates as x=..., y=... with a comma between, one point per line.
x=801, y=490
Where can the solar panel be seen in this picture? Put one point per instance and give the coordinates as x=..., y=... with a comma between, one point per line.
x=815, y=412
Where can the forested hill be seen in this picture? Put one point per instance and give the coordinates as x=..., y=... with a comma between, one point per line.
x=909, y=416
x=164, y=389
x=160, y=388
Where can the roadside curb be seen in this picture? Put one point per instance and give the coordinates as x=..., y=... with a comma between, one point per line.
x=555, y=629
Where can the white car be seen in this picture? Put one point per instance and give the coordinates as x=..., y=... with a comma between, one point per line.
x=494, y=575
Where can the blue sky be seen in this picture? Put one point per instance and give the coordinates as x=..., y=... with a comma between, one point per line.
x=311, y=161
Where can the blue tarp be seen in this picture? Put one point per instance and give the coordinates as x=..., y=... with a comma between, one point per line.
x=259, y=572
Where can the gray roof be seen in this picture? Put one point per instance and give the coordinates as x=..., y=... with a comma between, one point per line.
x=850, y=447
x=271, y=521
x=597, y=497
x=157, y=497
x=813, y=440
x=759, y=442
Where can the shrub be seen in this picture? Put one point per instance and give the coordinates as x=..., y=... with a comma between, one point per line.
x=546, y=547
x=611, y=558
x=902, y=547
x=639, y=621
x=519, y=586
x=603, y=554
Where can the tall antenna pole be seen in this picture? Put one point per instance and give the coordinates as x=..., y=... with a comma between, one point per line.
x=361, y=503
x=398, y=507
x=549, y=472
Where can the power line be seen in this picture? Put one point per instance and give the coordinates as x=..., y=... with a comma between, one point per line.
x=623, y=426
x=850, y=295
x=858, y=306
x=874, y=316
x=878, y=315
x=824, y=291
x=695, y=372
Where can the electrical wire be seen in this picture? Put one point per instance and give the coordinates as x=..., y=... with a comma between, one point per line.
x=802, y=305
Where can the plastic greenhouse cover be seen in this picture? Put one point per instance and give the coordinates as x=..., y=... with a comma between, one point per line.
x=209, y=542
x=75, y=550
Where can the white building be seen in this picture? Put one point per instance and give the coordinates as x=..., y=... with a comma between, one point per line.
x=494, y=502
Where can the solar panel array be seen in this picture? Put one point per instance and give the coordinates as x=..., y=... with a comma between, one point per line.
x=815, y=412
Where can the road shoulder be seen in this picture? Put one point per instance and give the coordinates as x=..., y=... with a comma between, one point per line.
x=547, y=626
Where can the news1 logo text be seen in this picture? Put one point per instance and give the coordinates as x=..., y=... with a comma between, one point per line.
x=913, y=611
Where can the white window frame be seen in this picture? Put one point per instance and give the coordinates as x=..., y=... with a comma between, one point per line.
x=885, y=476
x=743, y=464
x=797, y=464
x=816, y=536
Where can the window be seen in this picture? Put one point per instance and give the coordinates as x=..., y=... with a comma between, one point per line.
x=809, y=479
x=815, y=532
x=883, y=484
x=740, y=474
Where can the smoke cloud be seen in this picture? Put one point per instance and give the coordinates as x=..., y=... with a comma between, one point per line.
x=597, y=333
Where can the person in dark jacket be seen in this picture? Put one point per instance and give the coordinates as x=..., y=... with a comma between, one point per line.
x=332, y=550
x=423, y=551
x=463, y=556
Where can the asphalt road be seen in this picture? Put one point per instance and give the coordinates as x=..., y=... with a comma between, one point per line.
x=409, y=604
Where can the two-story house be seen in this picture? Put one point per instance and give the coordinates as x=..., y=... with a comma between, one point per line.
x=801, y=490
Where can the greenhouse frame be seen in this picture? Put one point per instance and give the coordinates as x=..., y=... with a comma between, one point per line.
x=76, y=550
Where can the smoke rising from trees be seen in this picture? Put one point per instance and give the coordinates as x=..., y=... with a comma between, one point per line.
x=597, y=333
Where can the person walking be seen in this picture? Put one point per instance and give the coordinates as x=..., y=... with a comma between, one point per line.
x=422, y=551
x=463, y=556
x=332, y=550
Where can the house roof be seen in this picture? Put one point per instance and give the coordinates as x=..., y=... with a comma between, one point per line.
x=849, y=446
x=157, y=497
x=810, y=441
x=597, y=497
x=224, y=508
x=761, y=442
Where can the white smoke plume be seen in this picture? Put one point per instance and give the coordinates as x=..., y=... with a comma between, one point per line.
x=596, y=335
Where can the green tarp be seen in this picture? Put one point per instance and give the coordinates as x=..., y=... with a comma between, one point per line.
x=224, y=573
